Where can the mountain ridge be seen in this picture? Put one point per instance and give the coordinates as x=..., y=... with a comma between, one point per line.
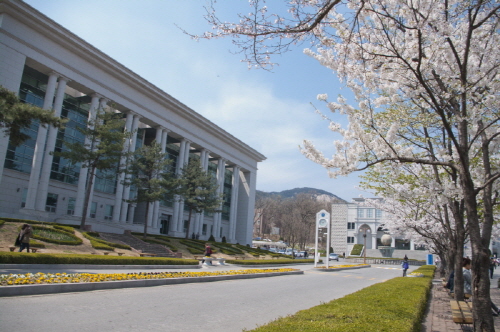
x=290, y=193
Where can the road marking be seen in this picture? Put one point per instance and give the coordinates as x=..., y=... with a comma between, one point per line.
x=387, y=268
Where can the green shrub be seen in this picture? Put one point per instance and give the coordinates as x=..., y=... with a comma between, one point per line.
x=356, y=249
x=395, y=305
x=68, y=229
x=52, y=235
x=2, y=222
x=36, y=244
x=161, y=242
x=23, y=258
x=96, y=243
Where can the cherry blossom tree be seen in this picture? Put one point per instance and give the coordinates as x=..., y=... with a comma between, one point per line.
x=438, y=58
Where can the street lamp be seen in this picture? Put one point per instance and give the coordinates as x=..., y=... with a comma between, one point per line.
x=367, y=230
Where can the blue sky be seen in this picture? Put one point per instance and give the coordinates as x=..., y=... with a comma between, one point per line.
x=269, y=111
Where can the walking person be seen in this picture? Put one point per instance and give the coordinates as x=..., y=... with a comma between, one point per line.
x=405, y=265
x=24, y=237
x=493, y=266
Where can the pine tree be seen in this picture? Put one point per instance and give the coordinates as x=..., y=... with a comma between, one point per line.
x=102, y=150
x=198, y=190
x=16, y=116
x=151, y=176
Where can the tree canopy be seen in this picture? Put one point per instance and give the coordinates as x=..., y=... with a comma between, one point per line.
x=15, y=116
x=425, y=76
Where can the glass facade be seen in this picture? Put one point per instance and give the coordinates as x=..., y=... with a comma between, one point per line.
x=51, y=203
x=75, y=110
x=32, y=91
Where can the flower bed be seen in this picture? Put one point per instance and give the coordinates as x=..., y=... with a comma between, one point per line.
x=64, y=278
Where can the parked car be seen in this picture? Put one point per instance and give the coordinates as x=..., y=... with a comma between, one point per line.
x=333, y=257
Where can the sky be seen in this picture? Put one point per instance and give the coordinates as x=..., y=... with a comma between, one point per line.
x=271, y=111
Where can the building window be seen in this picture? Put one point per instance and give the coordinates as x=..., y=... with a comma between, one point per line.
x=204, y=229
x=71, y=206
x=51, y=203
x=185, y=228
x=93, y=209
x=369, y=213
x=361, y=213
x=165, y=223
x=108, y=213
x=350, y=239
x=31, y=91
x=378, y=213
x=23, y=199
x=351, y=225
x=220, y=233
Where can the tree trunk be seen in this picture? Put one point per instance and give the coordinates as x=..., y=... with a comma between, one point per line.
x=146, y=220
x=89, y=181
x=189, y=223
x=483, y=320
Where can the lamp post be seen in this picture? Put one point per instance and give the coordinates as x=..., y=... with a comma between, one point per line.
x=367, y=230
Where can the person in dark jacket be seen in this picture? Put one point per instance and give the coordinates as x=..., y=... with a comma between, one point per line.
x=24, y=237
x=405, y=265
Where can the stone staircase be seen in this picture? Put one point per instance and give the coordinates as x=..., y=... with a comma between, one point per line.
x=139, y=245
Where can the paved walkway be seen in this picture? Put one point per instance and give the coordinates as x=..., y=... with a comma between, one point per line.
x=438, y=317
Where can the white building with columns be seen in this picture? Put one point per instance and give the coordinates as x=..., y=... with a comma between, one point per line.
x=354, y=223
x=49, y=66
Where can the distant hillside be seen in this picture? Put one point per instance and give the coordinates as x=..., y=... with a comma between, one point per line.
x=292, y=192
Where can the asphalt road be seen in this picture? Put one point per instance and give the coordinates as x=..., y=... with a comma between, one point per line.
x=216, y=306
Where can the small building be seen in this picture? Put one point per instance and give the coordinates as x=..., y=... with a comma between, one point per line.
x=354, y=223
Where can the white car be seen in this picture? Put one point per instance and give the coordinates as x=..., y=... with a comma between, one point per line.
x=333, y=257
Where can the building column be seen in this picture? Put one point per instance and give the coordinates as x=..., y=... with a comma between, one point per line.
x=51, y=143
x=36, y=164
x=183, y=163
x=102, y=105
x=163, y=142
x=204, y=155
x=82, y=178
x=178, y=167
x=153, y=223
x=234, y=203
x=245, y=207
x=121, y=177
x=126, y=191
x=221, y=170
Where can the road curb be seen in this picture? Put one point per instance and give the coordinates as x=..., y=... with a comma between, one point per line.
x=22, y=290
x=342, y=268
x=94, y=266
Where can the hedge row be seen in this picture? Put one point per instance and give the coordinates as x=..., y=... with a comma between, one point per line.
x=74, y=242
x=356, y=249
x=267, y=261
x=96, y=243
x=24, y=258
x=111, y=244
x=395, y=305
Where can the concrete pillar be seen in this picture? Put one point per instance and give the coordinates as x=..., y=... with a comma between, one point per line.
x=234, y=204
x=221, y=170
x=126, y=191
x=119, y=186
x=156, y=205
x=43, y=188
x=36, y=164
x=184, y=162
x=82, y=178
